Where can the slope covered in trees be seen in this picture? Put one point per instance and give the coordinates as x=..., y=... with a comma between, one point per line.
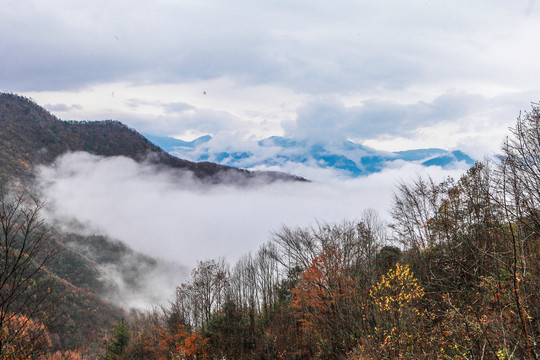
x=58, y=290
x=61, y=285
x=48, y=293
x=29, y=135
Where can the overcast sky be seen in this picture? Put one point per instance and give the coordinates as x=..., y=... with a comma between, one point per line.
x=392, y=74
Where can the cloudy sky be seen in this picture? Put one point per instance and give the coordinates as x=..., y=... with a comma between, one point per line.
x=391, y=74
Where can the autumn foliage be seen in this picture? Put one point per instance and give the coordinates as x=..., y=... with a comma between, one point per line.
x=24, y=338
x=329, y=304
x=399, y=320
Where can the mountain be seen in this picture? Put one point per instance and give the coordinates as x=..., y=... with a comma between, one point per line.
x=349, y=158
x=78, y=290
x=92, y=279
x=88, y=278
x=30, y=135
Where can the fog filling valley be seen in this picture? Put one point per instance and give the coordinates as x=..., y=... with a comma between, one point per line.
x=171, y=216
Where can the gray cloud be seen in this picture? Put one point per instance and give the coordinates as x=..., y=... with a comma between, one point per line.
x=311, y=47
x=332, y=120
x=62, y=107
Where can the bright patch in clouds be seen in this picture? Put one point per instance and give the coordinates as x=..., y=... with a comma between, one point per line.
x=184, y=110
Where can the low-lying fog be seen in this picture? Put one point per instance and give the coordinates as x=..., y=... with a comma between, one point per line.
x=169, y=215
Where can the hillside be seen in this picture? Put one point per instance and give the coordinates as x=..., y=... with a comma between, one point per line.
x=30, y=135
x=88, y=279
x=82, y=291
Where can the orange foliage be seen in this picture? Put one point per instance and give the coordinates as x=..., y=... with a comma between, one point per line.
x=194, y=346
x=65, y=355
x=185, y=343
x=330, y=304
x=23, y=338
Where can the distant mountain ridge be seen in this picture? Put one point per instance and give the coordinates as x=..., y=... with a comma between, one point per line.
x=30, y=135
x=347, y=157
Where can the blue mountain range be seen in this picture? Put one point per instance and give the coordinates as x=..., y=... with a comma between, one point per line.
x=350, y=158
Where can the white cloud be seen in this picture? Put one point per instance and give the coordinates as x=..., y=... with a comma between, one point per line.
x=62, y=107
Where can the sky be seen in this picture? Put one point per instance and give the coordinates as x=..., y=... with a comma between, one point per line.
x=390, y=74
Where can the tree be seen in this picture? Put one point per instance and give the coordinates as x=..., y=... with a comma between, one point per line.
x=414, y=205
x=469, y=243
x=386, y=258
x=229, y=333
x=24, y=331
x=267, y=277
x=205, y=293
x=397, y=314
x=519, y=170
x=331, y=306
x=26, y=248
x=357, y=243
x=117, y=345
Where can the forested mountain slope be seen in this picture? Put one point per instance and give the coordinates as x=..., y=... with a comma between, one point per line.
x=65, y=293
x=30, y=135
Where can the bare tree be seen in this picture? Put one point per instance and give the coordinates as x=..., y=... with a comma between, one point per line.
x=244, y=277
x=414, y=206
x=26, y=248
x=268, y=276
x=356, y=241
x=519, y=170
x=204, y=294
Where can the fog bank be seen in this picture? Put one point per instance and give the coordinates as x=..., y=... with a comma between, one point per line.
x=170, y=215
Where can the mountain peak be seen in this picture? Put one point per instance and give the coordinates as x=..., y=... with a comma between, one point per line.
x=347, y=157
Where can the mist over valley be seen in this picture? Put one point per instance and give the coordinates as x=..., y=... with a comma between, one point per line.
x=269, y=180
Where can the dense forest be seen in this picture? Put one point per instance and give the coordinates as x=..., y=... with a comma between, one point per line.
x=454, y=275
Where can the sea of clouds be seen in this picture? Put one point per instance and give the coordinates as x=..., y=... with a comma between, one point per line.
x=171, y=215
